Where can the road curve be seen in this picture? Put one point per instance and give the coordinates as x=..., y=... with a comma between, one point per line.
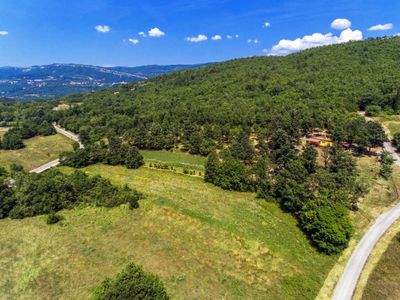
x=67, y=134
x=56, y=162
x=348, y=282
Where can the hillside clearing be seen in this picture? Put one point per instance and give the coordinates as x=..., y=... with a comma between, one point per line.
x=204, y=243
x=38, y=151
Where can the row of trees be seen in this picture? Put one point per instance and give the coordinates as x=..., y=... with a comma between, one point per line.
x=13, y=138
x=116, y=152
x=52, y=191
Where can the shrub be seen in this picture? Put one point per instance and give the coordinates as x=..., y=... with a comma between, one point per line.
x=53, y=218
x=329, y=227
x=132, y=283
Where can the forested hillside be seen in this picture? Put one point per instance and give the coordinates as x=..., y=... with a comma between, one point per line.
x=298, y=91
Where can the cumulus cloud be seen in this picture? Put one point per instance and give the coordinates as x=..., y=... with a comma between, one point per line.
x=197, y=39
x=142, y=34
x=317, y=39
x=134, y=41
x=229, y=37
x=340, y=24
x=397, y=34
x=267, y=24
x=156, y=32
x=216, y=37
x=103, y=28
x=3, y=32
x=387, y=26
x=236, y=36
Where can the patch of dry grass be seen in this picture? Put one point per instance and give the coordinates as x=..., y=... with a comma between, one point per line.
x=383, y=283
x=38, y=151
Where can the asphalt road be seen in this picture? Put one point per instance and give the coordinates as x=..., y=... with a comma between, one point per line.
x=45, y=166
x=347, y=284
x=57, y=161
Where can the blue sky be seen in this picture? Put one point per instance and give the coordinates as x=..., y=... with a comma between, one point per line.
x=36, y=32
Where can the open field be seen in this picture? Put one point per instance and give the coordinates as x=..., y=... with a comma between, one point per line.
x=175, y=158
x=204, y=242
x=384, y=280
x=39, y=150
x=392, y=123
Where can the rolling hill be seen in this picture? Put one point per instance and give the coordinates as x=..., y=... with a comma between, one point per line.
x=49, y=81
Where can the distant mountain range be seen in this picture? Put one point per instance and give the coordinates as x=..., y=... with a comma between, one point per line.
x=56, y=80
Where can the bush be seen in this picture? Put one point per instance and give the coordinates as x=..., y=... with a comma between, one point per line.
x=53, y=218
x=372, y=110
x=131, y=283
x=329, y=227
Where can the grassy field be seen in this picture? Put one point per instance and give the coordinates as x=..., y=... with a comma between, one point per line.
x=39, y=150
x=384, y=280
x=176, y=159
x=392, y=123
x=204, y=242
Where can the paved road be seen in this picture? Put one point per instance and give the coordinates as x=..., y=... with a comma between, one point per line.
x=45, y=166
x=56, y=162
x=68, y=135
x=347, y=284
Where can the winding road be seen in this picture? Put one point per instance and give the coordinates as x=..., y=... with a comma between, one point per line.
x=56, y=162
x=348, y=282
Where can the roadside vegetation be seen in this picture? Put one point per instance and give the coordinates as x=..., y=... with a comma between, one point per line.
x=37, y=151
x=383, y=283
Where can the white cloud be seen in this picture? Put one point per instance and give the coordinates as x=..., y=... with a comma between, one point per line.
x=387, y=26
x=340, y=24
x=197, y=39
x=255, y=41
x=156, y=32
x=3, y=32
x=398, y=34
x=317, y=39
x=236, y=36
x=142, y=34
x=267, y=24
x=216, y=37
x=229, y=37
x=103, y=28
x=134, y=41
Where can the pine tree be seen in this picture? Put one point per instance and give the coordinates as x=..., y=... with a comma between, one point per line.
x=309, y=157
x=212, y=168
